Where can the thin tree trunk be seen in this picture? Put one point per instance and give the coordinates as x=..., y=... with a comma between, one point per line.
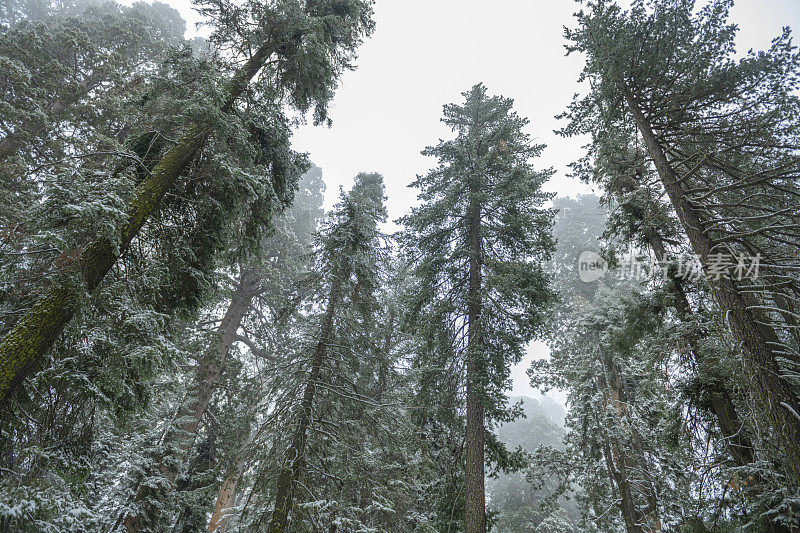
x=722, y=406
x=295, y=454
x=616, y=460
x=739, y=446
x=774, y=393
x=617, y=470
x=475, y=500
x=385, y=360
x=26, y=344
x=209, y=371
x=618, y=395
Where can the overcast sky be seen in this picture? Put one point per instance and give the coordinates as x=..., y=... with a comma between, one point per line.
x=425, y=53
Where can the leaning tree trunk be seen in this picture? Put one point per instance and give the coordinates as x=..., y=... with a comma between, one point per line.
x=209, y=371
x=646, y=486
x=220, y=517
x=737, y=443
x=212, y=364
x=618, y=471
x=730, y=424
x=616, y=395
x=475, y=497
x=617, y=464
x=295, y=454
x=26, y=344
x=757, y=339
x=722, y=406
x=227, y=492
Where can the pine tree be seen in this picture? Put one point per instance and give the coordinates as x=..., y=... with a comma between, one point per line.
x=624, y=437
x=640, y=219
x=608, y=345
x=477, y=245
x=336, y=29
x=347, y=271
x=716, y=131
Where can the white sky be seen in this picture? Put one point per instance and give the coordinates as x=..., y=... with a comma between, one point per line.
x=424, y=53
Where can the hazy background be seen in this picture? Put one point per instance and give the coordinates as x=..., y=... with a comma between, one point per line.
x=425, y=53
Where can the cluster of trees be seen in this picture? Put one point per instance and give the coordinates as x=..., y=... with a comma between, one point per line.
x=683, y=390
x=190, y=343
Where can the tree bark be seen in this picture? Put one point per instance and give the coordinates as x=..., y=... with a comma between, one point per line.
x=219, y=520
x=638, y=518
x=738, y=445
x=736, y=440
x=295, y=455
x=475, y=497
x=212, y=364
x=617, y=470
x=209, y=371
x=774, y=393
x=26, y=344
x=617, y=463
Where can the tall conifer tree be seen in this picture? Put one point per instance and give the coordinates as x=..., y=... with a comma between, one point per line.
x=304, y=45
x=346, y=276
x=477, y=244
x=722, y=137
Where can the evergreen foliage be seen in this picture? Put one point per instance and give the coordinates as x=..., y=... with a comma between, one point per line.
x=189, y=342
x=477, y=246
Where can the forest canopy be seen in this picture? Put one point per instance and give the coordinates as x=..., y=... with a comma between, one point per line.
x=197, y=335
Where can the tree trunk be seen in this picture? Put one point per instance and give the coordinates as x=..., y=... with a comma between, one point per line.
x=622, y=462
x=616, y=461
x=475, y=498
x=26, y=344
x=295, y=454
x=774, y=393
x=209, y=371
x=738, y=445
x=227, y=493
x=212, y=364
x=646, y=486
x=219, y=521
x=199, y=479
x=736, y=440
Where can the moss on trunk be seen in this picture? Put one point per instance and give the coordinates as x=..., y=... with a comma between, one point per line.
x=39, y=328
